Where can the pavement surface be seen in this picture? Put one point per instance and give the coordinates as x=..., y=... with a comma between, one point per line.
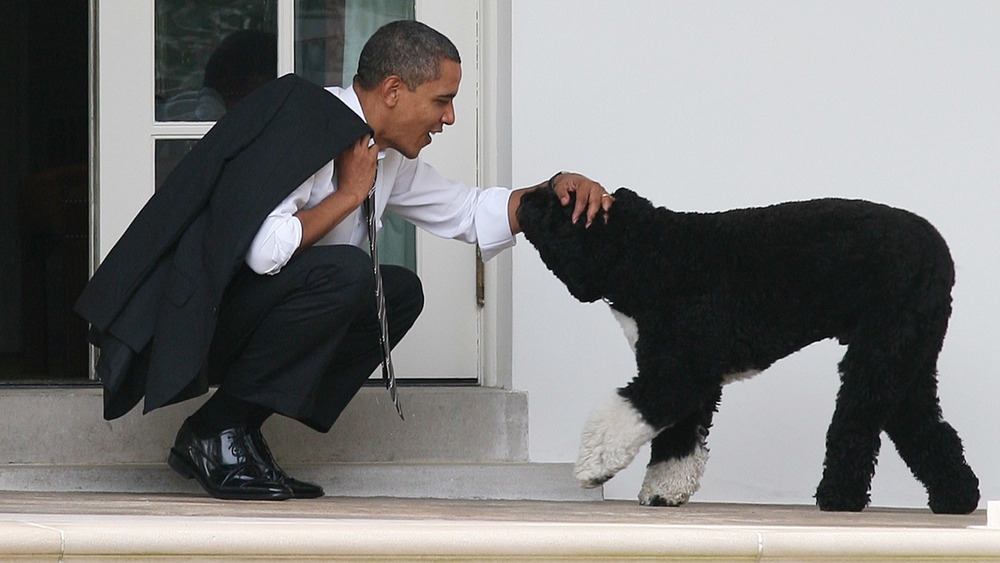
x=128, y=527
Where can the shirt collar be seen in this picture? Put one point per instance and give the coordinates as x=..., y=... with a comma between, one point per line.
x=350, y=99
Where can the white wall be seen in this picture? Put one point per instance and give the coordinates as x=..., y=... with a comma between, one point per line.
x=715, y=105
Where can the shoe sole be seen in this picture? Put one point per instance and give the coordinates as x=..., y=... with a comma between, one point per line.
x=183, y=467
x=301, y=495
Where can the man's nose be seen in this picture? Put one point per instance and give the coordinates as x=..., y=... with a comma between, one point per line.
x=448, y=117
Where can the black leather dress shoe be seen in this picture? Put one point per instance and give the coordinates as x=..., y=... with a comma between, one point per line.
x=300, y=489
x=227, y=465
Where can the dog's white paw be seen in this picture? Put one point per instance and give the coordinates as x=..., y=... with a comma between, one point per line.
x=672, y=482
x=611, y=437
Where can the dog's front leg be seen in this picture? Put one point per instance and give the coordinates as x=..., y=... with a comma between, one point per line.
x=612, y=436
x=668, y=387
x=615, y=430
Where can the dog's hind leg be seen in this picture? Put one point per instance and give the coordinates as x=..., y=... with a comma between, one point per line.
x=678, y=458
x=932, y=449
x=852, y=440
x=930, y=446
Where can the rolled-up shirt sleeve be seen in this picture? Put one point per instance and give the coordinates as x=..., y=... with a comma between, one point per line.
x=280, y=234
x=450, y=209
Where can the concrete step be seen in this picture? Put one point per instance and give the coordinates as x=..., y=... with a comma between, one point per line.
x=456, y=442
x=446, y=424
x=491, y=481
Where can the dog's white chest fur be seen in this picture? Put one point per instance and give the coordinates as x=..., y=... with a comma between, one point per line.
x=629, y=326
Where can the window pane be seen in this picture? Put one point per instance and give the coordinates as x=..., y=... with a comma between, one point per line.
x=329, y=35
x=211, y=53
x=168, y=154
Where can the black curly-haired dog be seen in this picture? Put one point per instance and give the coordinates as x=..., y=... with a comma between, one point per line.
x=707, y=298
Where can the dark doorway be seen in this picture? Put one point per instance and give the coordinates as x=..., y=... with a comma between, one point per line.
x=44, y=195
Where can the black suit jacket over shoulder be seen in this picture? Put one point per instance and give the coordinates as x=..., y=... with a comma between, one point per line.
x=152, y=303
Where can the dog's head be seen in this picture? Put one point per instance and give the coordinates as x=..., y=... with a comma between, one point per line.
x=581, y=257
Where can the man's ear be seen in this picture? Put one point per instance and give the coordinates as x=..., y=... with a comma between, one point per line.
x=389, y=89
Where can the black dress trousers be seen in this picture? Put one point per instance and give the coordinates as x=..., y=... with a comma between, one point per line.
x=303, y=341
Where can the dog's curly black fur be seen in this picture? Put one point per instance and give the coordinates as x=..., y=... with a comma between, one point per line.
x=713, y=296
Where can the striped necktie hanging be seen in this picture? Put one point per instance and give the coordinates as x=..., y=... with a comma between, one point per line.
x=388, y=375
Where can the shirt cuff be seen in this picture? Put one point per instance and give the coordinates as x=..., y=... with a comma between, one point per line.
x=492, y=223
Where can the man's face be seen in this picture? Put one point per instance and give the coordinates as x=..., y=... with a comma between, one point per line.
x=424, y=111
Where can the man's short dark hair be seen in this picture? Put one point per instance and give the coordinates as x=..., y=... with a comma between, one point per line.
x=406, y=48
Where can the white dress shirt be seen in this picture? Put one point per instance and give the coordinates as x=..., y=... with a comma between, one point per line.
x=409, y=187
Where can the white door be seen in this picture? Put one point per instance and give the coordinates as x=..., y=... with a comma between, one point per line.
x=133, y=144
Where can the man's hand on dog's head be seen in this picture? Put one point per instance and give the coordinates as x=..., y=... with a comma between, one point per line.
x=591, y=197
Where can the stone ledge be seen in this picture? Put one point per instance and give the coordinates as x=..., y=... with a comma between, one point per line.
x=128, y=528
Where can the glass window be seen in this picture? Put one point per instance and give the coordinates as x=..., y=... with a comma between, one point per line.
x=329, y=35
x=168, y=153
x=211, y=53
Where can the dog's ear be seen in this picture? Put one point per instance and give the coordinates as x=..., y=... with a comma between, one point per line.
x=624, y=193
x=628, y=204
x=627, y=198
